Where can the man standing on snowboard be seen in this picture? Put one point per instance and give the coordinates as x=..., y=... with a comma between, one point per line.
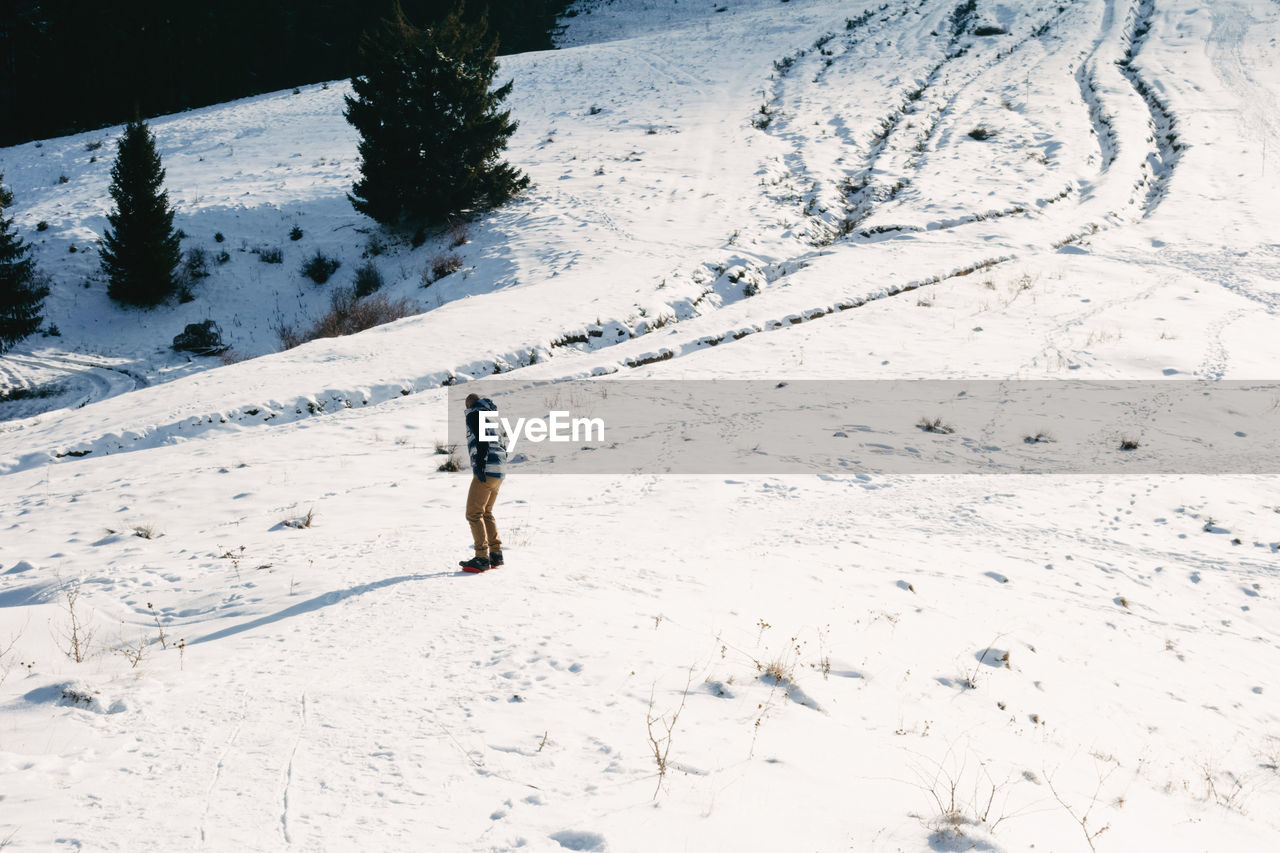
x=487, y=460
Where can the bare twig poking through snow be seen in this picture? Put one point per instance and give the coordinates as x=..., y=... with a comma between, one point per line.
x=77, y=637
x=660, y=744
x=1231, y=793
x=6, y=659
x=971, y=677
x=1083, y=819
x=159, y=627
x=134, y=653
x=955, y=806
x=235, y=557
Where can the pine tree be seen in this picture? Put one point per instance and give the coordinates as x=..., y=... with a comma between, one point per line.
x=21, y=291
x=140, y=250
x=431, y=130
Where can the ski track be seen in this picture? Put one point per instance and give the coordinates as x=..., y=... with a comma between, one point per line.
x=288, y=771
x=222, y=759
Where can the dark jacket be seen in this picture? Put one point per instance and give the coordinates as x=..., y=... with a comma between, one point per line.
x=487, y=457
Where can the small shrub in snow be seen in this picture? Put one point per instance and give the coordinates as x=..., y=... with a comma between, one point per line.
x=75, y=637
x=368, y=279
x=374, y=246
x=42, y=225
x=441, y=266
x=93, y=145
x=270, y=254
x=1127, y=443
x=319, y=267
x=1038, y=438
x=989, y=30
x=981, y=132
x=195, y=264
x=36, y=392
x=289, y=337
x=302, y=522
x=458, y=234
x=295, y=233
x=62, y=179
x=780, y=669
x=450, y=464
x=223, y=257
x=660, y=743
x=935, y=425
x=763, y=118
x=218, y=237
x=134, y=653
x=347, y=315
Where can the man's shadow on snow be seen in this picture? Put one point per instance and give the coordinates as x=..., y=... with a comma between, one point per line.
x=329, y=598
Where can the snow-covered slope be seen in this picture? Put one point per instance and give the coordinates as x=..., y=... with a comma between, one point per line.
x=896, y=663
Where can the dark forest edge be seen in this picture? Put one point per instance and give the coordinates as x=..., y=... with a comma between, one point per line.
x=73, y=66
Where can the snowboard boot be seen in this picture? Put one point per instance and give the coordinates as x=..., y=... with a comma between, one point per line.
x=495, y=559
x=475, y=565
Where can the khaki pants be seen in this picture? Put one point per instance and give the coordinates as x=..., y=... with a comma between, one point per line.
x=480, y=500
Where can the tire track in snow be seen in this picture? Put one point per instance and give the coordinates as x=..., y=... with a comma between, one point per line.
x=869, y=24
x=1164, y=160
x=1087, y=79
x=864, y=194
x=666, y=353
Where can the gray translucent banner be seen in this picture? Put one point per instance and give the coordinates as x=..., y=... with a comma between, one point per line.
x=849, y=427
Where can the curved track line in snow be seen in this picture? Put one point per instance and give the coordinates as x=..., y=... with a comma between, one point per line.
x=1164, y=160
x=222, y=759
x=872, y=187
x=288, y=772
x=1087, y=79
x=86, y=381
x=667, y=353
x=1231, y=22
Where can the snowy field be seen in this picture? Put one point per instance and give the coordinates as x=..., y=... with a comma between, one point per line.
x=259, y=557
